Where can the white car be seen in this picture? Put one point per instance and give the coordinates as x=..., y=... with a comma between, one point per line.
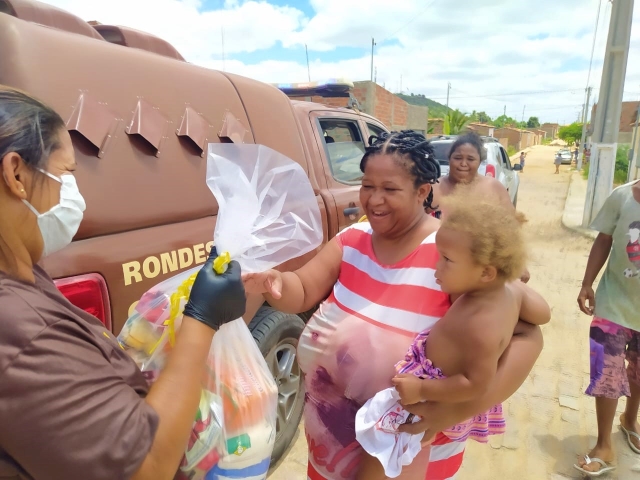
x=566, y=156
x=497, y=165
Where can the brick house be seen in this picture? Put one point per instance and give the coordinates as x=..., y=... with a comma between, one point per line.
x=436, y=125
x=519, y=139
x=482, y=129
x=374, y=100
x=542, y=134
x=627, y=120
x=551, y=129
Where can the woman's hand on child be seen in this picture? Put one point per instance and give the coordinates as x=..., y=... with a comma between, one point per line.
x=587, y=300
x=409, y=388
x=269, y=282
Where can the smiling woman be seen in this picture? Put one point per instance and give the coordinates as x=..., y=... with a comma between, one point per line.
x=376, y=288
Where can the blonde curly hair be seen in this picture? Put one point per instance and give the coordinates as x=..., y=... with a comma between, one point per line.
x=495, y=229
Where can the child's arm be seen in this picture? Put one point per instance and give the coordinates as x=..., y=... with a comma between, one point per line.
x=480, y=354
x=597, y=258
x=533, y=308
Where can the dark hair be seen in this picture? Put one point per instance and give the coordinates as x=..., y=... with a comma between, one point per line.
x=472, y=139
x=412, y=146
x=28, y=127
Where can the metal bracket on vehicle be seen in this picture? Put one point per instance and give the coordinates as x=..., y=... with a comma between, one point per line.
x=94, y=121
x=232, y=129
x=150, y=123
x=196, y=128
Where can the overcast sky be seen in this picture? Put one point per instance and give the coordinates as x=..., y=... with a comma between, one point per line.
x=496, y=53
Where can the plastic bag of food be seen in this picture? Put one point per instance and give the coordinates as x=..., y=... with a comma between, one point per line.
x=268, y=214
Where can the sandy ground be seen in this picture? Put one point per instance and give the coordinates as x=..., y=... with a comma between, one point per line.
x=549, y=420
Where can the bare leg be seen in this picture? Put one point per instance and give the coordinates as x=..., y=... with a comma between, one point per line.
x=605, y=412
x=370, y=468
x=629, y=419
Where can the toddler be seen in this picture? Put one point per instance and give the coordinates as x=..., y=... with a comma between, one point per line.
x=482, y=253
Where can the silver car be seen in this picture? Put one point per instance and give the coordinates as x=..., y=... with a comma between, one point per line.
x=497, y=165
x=566, y=156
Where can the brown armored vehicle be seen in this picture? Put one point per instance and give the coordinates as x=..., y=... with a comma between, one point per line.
x=140, y=118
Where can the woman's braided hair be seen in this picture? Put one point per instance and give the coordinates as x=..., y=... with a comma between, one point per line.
x=409, y=145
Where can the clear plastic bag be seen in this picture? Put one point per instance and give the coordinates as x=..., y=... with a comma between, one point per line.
x=268, y=214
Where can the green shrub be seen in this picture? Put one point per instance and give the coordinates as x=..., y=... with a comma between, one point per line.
x=622, y=166
x=511, y=150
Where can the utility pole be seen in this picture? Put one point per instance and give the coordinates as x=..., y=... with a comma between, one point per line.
x=607, y=122
x=633, y=153
x=583, y=138
x=308, y=70
x=448, y=88
x=504, y=112
x=375, y=75
x=373, y=44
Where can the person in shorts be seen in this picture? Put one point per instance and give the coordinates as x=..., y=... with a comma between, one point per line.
x=615, y=329
x=557, y=162
x=522, y=159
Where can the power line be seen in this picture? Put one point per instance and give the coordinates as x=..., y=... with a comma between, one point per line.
x=512, y=93
x=410, y=21
x=593, y=44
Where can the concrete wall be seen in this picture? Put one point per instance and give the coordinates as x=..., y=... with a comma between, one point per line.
x=417, y=118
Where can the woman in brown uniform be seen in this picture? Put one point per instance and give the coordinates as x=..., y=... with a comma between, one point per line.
x=72, y=403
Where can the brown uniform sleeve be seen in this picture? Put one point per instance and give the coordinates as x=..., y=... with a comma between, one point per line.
x=66, y=413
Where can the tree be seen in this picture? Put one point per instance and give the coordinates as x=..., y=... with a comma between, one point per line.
x=483, y=117
x=570, y=133
x=454, y=122
x=533, y=122
x=505, y=121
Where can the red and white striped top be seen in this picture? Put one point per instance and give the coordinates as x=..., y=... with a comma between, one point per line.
x=403, y=298
x=351, y=344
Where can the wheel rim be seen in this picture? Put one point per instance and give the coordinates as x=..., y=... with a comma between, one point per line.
x=284, y=368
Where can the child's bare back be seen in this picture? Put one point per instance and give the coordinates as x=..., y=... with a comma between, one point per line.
x=474, y=333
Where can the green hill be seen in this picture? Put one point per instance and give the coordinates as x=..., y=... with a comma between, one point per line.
x=436, y=110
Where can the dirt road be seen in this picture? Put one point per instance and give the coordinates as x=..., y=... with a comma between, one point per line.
x=549, y=420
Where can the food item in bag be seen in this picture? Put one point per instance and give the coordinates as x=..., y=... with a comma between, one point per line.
x=247, y=456
x=206, y=434
x=268, y=214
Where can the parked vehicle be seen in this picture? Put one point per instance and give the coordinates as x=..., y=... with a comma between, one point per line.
x=140, y=118
x=497, y=165
x=567, y=156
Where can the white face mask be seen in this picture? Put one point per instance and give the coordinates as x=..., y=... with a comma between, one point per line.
x=61, y=223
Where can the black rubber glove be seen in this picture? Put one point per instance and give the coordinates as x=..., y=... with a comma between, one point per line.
x=216, y=299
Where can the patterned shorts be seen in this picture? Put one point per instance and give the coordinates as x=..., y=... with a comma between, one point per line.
x=611, y=345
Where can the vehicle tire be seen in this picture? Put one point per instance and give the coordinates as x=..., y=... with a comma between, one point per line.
x=277, y=335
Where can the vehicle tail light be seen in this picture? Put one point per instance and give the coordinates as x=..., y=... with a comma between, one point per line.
x=88, y=292
x=491, y=171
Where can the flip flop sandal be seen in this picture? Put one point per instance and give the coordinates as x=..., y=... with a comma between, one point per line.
x=630, y=434
x=604, y=467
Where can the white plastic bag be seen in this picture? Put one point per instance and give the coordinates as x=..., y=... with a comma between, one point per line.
x=377, y=424
x=268, y=211
x=268, y=214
